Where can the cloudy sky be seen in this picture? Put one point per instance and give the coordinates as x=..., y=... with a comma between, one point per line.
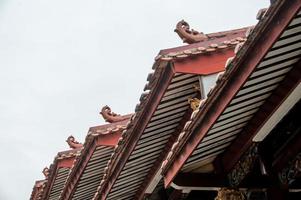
x=62, y=60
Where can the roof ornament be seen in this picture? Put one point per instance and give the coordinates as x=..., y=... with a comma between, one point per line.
x=73, y=144
x=189, y=35
x=110, y=116
x=194, y=103
x=46, y=172
x=261, y=13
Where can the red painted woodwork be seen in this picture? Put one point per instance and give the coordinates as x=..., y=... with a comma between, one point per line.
x=110, y=139
x=66, y=162
x=204, y=64
x=244, y=66
x=219, y=38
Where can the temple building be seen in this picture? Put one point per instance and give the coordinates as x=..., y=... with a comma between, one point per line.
x=219, y=119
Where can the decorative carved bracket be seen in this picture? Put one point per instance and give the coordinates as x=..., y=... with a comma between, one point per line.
x=189, y=35
x=73, y=143
x=244, y=166
x=289, y=174
x=194, y=103
x=110, y=116
x=46, y=172
x=230, y=194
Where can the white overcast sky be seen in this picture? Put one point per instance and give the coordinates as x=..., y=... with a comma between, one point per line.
x=62, y=60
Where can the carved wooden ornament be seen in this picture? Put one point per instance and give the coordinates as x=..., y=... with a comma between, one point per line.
x=244, y=166
x=289, y=174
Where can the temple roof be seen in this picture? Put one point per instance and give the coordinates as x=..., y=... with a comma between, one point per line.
x=163, y=111
x=99, y=145
x=55, y=176
x=207, y=139
x=215, y=42
x=176, y=128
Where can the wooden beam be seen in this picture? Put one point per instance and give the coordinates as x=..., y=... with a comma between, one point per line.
x=175, y=195
x=212, y=182
x=244, y=65
x=288, y=153
x=276, y=193
x=198, y=180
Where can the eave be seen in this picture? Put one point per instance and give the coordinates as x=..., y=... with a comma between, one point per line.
x=264, y=36
x=98, y=146
x=170, y=69
x=58, y=173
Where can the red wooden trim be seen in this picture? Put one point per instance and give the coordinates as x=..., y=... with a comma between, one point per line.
x=204, y=64
x=110, y=139
x=156, y=95
x=245, y=65
x=223, y=36
x=244, y=141
x=66, y=162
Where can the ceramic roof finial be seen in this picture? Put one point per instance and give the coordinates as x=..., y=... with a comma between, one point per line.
x=189, y=35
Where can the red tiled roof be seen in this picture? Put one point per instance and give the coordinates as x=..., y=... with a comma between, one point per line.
x=215, y=42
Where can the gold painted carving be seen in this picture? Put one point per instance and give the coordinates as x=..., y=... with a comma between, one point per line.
x=230, y=194
x=194, y=103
